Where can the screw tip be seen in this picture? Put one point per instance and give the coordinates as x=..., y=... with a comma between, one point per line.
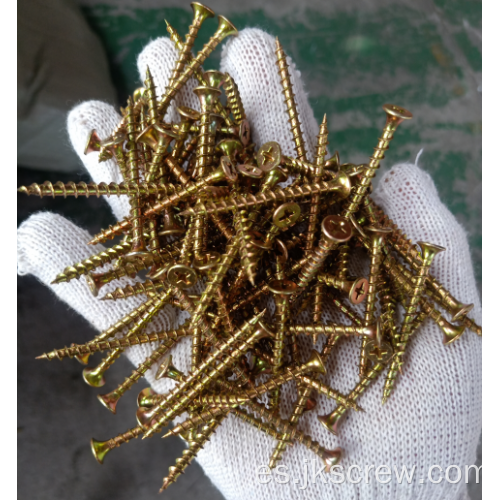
x=42, y=356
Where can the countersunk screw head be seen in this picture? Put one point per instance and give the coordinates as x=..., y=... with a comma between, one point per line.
x=269, y=156
x=286, y=215
x=182, y=276
x=250, y=171
x=358, y=291
x=244, y=132
x=229, y=168
x=378, y=354
x=397, y=112
x=189, y=114
x=337, y=229
x=282, y=287
x=207, y=261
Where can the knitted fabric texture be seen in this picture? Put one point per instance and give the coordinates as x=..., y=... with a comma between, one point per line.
x=433, y=416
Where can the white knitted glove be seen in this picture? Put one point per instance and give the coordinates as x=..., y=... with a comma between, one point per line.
x=434, y=414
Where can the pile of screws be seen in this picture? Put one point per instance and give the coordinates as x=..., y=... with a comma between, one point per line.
x=207, y=208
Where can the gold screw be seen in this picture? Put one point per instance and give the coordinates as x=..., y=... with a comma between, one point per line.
x=380, y=356
x=429, y=251
x=291, y=107
x=395, y=115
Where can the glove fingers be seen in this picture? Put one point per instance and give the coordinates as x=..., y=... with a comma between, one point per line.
x=409, y=197
x=103, y=118
x=47, y=243
x=160, y=56
x=251, y=60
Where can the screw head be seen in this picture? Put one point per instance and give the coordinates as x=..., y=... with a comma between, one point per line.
x=282, y=287
x=249, y=170
x=207, y=261
x=286, y=215
x=378, y=354
x=358, y=291
x=337, y=229
x=229, y=168
x=269, y=156
x=189, y=113
x=397, y=111
x=258, y=240
x=182, y=276
x=244, y=132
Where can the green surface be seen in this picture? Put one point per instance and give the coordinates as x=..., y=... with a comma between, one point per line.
x=423, y=56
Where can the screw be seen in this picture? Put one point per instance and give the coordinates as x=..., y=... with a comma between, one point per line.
x=277, y=195
x=224, y=30
x=377, y=236
x=395, y=115
x=93, y=347
x=291, y=107
x=356, y=289
x=380, y=356
x=429, y=251
x=319, y=161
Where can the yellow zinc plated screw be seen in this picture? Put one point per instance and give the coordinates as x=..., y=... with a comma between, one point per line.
x=341, y=186
x=395, y=115
x=304, y=394
x=195, y=445
x=200, y=370
x=183, y=397
x=188, y=117
x=369, y=332
x=356, y=289
x=328, y=457
x=380, y=357
x=377, y=236
x=281, y=290
x=87, y=265
x=429, y=251
x=319, y=161
x=101, y=448
x=95, y=376
x=111, y=399
x=200, y=76
x=201, y=13
x=334, y=230
x=329, y=392
x=106, y=345
x=291, y=106
x=234, y=99
x=83, y=189
x=315, y=365
x=206, y=139
x=96, y=281
x=225, y=29
x=434, y=288
x=176, y=195
x=404, y=277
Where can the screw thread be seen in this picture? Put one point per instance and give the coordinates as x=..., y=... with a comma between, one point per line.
x=195, y=445
x=87, y=265
x=171, y=91
x=93, y=347
x=277, y=195
x=285, y=438
x=234, y=99
x=315, y=262
x=130, y=188
x=291, y=107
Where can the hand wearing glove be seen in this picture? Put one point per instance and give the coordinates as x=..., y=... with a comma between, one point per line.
x=434, y=414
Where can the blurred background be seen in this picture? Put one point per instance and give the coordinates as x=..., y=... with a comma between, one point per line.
x=353, y=56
